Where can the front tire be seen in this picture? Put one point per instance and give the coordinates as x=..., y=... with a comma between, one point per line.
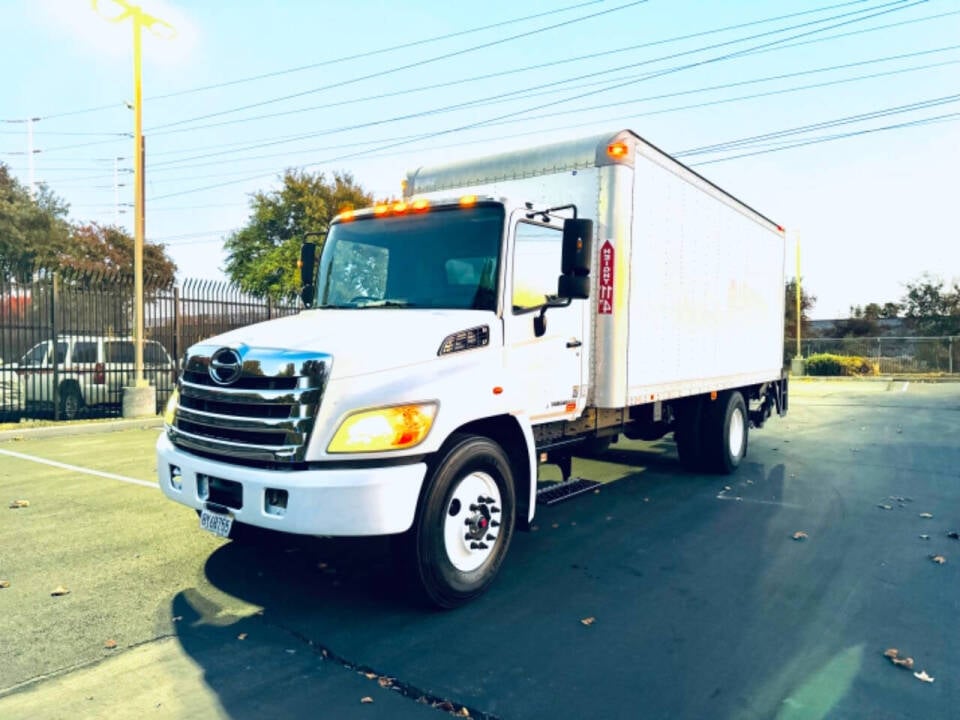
x=71, y=402
x=465, y=522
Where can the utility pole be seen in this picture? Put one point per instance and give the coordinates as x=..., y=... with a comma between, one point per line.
x=30, y=153
x=140, y=394
x=797, y=366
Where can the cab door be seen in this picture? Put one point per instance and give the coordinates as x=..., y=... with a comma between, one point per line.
x=546, y=370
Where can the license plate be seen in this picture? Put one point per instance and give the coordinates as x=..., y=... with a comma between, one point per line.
x=216, y=523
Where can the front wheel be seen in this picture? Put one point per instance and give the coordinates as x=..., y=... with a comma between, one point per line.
x=465, y=523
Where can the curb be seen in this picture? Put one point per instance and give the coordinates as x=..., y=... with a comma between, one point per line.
x=82, y=428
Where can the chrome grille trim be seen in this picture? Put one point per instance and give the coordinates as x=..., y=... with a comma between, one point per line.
x=246, y=419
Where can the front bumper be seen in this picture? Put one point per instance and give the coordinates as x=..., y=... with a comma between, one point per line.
x=336, y=502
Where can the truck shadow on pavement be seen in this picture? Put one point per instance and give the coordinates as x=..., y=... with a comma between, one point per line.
x=697, y=607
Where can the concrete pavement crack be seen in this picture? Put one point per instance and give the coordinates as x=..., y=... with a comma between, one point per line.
x=407, y=690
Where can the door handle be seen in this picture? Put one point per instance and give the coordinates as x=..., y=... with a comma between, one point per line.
x=573, y=343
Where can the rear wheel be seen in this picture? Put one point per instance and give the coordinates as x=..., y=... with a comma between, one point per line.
x=725, y=432
x=465, y=522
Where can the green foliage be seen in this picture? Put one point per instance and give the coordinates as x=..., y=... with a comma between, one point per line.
x=95, y=249
x=34, y=234
x=934, y=309
x=829, y=364
x=262, y=257
x=33, y=231
x=790, y=310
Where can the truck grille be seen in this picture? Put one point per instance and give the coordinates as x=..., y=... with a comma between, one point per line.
x=249, y=403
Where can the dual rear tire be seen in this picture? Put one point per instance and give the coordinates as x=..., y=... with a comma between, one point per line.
x=712, y=435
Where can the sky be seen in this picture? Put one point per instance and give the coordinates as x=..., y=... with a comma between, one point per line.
x=838, y=120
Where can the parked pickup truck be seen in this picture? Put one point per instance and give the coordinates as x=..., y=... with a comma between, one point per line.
x=509, y=311
x=87, y=370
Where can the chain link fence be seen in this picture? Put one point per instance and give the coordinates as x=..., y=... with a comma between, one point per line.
x=892, y=355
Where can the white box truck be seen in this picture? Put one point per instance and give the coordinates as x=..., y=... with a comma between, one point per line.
x=508, y=311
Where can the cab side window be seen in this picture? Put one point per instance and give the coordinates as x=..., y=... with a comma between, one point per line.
x=536, y=265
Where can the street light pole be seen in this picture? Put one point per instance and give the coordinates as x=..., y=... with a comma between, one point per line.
x=139, y=20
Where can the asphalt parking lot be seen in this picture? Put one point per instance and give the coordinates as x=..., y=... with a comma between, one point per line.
x=663, y=595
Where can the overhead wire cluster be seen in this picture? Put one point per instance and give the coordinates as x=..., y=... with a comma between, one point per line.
x=546, y=103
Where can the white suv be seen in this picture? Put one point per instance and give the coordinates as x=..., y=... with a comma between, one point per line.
x=90, y=371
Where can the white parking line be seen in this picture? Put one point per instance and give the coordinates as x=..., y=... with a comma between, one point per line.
x=77, y=468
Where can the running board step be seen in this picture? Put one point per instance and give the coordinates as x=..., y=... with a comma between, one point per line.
x=552, y=494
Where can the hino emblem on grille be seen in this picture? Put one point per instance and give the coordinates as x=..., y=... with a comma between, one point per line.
x=225, y=366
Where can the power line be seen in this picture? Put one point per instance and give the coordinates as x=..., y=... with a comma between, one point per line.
x=177, y=164
x=371, y=53
x=400, y=68
x=513, y=71
x=111, y=106
x=600, y=73
x=727, y=56
x=856, y=133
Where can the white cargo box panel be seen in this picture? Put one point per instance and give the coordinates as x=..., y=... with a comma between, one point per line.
x=687, y=283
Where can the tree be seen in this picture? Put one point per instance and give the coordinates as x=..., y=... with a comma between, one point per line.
x=94, y=248
x=933, y=309
x=262, y=257
x=890, y=310
x=862, y=322
x=33, y=230
x=807, y=301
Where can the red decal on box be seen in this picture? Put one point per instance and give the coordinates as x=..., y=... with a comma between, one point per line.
x=605, y=284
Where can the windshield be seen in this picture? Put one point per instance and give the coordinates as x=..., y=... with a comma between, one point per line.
x=443, y=258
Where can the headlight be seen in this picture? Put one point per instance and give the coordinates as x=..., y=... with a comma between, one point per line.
x=389, y=428
x=170, y=412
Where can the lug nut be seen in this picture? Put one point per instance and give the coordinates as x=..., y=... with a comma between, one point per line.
x=494, y=523
x=494, y=509
x=482, y=546
x=490, y=538
x=474, y=508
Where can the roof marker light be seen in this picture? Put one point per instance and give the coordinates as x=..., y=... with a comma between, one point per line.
x=346, y=216
x=420, y=205
x=380, y=209
x=468, y=200
x=618, y=150
x=399, y=207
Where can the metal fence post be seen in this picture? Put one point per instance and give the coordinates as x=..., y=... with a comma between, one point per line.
x=950, y=354
x=177, y=339
x=54, y=332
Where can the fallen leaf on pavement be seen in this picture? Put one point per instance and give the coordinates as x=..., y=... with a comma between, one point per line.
x=926, y=516
x=59, y=590
x=800, y=535
x=588, y=621
x=922, y=675
x=903, y=662
x=891, y=653
x=727, y=488
x=924, y=537
x=385, y=682
x=242, y=636
x=370, y=675
x=953, y=534
x=938, y=559
x=366, y=700
x=464, y=712
x=16, y=504
x=4, y=583
x=110, y=644
x=445, y=705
